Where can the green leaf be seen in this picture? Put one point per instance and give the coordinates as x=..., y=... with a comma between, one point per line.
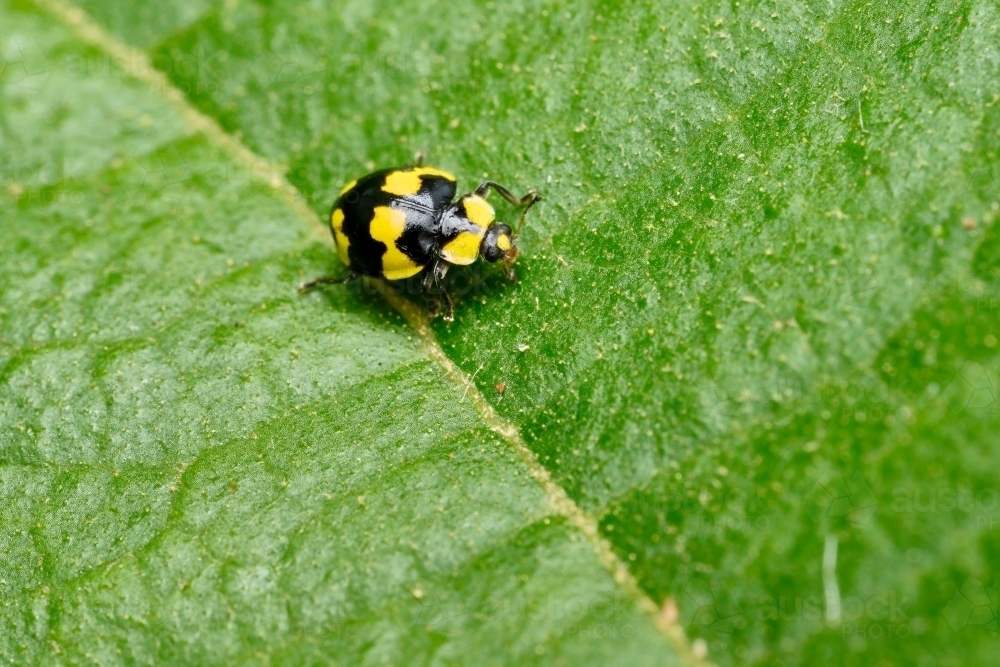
x=755, y=335
x=197, y=464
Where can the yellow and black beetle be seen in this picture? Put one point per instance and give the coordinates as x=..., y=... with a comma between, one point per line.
x=395, y=223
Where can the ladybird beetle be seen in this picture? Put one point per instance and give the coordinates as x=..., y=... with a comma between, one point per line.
x=396, y=223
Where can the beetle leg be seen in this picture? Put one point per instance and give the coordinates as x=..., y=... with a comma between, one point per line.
x=439, y=270
x=531, y=197
x=433, y=302
x=418, y=158
x=428, y=281
x=510, y=272
x=434, y=279
x=328, y=280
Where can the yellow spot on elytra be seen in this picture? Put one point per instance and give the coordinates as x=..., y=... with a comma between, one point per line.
x=387, y=226
x=347, y=187
x=503, y=242
x=464, y=248
x=478, y=210
x=337, y=222
x=406, y=182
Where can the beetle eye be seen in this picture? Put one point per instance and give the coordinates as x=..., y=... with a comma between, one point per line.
x=490, y=252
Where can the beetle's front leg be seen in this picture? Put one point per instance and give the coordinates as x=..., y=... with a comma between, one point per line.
x=529, y=199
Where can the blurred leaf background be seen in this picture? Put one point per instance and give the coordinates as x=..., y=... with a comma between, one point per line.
x=754, y=341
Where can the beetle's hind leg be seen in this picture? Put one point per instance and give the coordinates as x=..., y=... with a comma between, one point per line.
x=328, y=280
